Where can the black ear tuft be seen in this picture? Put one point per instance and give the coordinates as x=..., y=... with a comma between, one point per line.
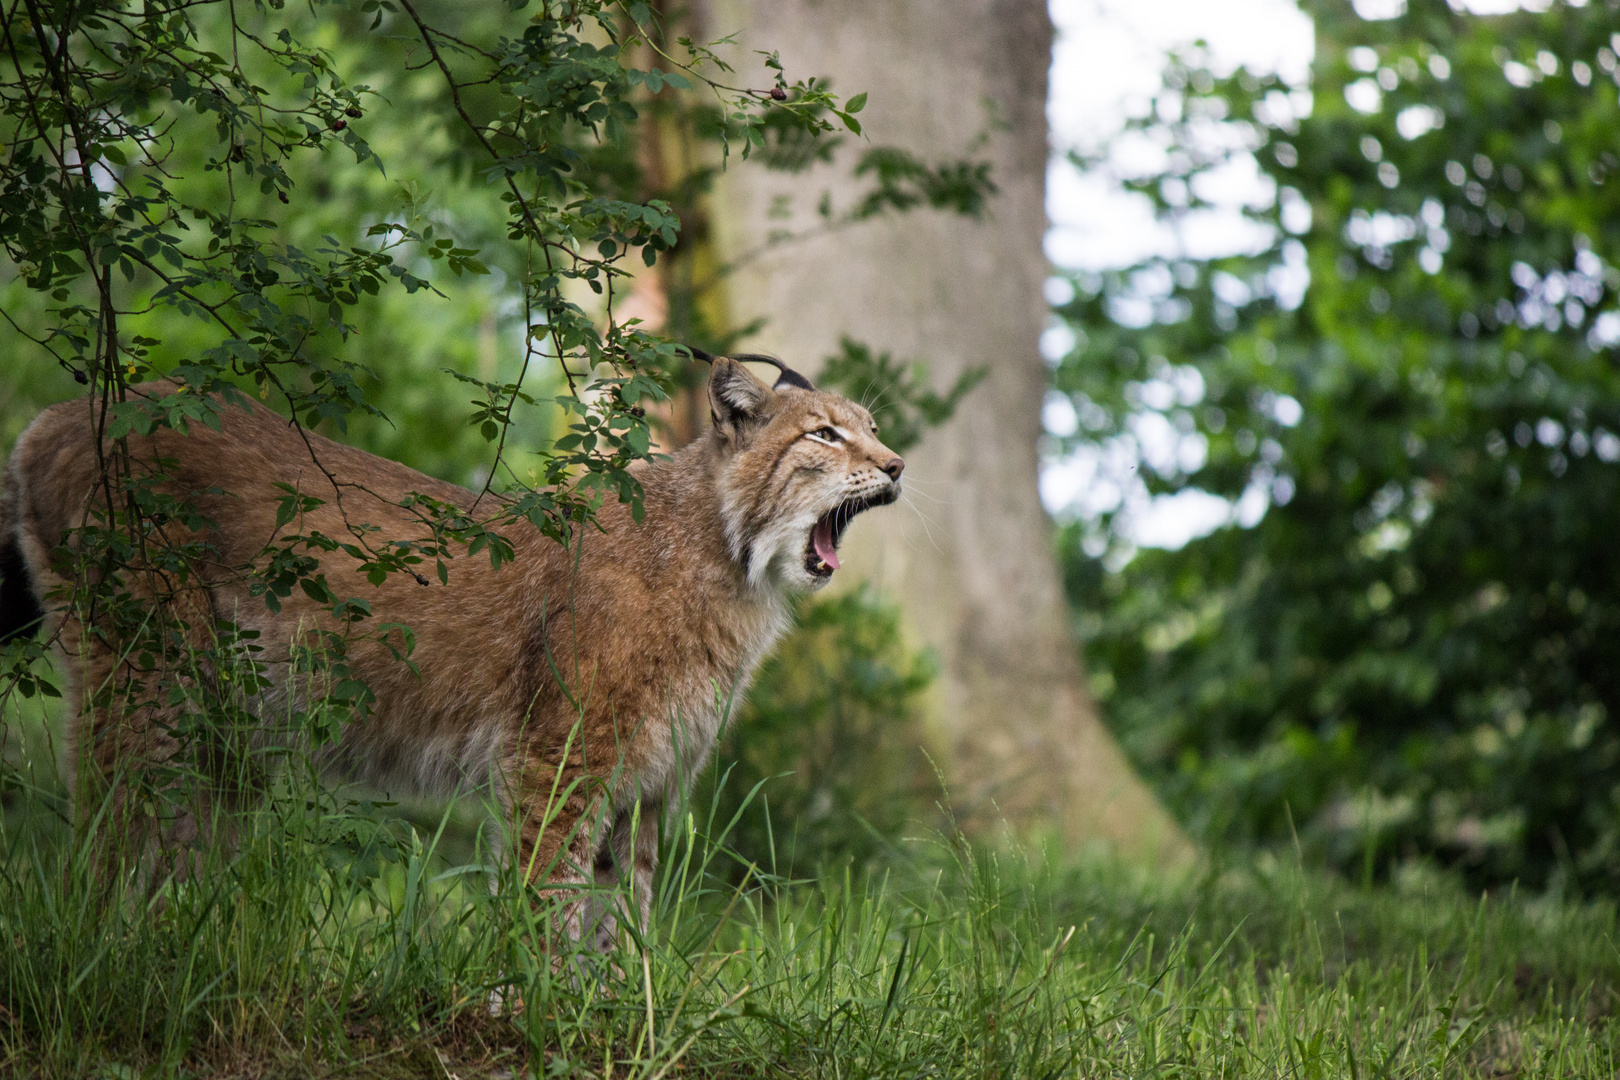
x=787, y=376
x=735, y=396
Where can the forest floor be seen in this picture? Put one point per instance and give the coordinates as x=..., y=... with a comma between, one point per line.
x=334, y=942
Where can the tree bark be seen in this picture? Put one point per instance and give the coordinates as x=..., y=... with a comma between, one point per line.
x=971, y=558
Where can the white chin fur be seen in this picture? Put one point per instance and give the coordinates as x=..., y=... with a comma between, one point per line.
x=777, y=558
x=776, y=553
x=802, y=580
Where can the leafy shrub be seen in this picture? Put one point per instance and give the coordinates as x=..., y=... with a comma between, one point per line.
x=831, y=737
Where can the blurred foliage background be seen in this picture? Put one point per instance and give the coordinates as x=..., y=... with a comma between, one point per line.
x=1415, y=650
x=424, y=171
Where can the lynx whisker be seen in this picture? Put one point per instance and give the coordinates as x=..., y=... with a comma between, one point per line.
x=922, y=519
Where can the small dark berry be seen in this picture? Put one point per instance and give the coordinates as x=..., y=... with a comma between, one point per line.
x=282, y=195
x=353, y=112
x=778, y=94
x=638, y=412
x=339, y=124
x=81, y=378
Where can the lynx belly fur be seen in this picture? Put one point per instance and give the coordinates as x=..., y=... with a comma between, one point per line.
x=603, y=673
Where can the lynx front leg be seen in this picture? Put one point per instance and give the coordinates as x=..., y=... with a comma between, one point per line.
x=635, y=847
x=561, y=816
x=628, y=859
x=558, y=819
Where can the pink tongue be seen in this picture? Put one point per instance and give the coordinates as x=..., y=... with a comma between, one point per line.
x=822, y=537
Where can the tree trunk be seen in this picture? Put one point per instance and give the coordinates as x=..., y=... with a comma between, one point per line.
x=970, y=560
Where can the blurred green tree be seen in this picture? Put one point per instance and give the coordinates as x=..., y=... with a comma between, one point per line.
x=1416, y=649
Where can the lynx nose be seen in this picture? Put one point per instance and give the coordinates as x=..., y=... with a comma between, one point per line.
x=894, y=468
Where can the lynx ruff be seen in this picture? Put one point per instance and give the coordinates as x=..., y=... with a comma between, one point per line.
x=655, y=628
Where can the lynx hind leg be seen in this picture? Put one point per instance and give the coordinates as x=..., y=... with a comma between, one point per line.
x=163, y=783
x=120, y=651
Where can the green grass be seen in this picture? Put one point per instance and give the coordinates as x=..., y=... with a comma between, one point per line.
x=338, y=940
x=285, y=960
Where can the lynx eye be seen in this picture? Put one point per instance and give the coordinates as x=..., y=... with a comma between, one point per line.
x=827, y=435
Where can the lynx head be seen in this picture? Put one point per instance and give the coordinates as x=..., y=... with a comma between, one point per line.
x=796, y=466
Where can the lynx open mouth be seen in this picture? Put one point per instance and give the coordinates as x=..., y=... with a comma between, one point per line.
x=821, y=551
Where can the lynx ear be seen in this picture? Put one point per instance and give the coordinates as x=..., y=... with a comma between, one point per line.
x=736, y=398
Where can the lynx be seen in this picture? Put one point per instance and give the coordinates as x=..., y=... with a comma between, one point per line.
x=586, y=681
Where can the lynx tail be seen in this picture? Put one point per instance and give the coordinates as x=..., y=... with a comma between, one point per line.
x=20, y=613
